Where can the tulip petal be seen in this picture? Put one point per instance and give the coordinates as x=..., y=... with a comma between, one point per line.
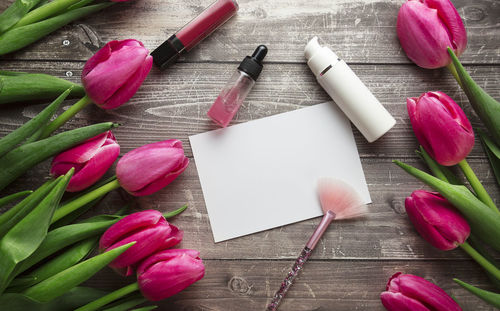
x=423, y=35
x=127, y=225
x=450, y=17
x=173, y=239
x=107, y=77
x=423, y=291
x=94, y=169
x=151, y=167
x=437, y=221
x=148, y=241
x=165, y=255
x=130, y=87
x=84, y=151
x=452, y=141
x=399, y=302
x=166, y=278
x=162, y=181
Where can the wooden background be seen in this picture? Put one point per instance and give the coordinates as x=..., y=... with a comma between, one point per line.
x=353, y=261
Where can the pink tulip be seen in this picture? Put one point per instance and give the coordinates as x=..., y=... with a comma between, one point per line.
x=168, y=272
x=406, y=292
x=149, y=168
x=437, y=221
x=91, y=159
x=148, y=229
x=441, y=127
x=113, y=75
x=426, y=28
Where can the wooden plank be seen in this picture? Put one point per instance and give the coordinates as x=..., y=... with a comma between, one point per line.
x=386, y=233
x=360, y=31
x=245, y=285
x=174, y=104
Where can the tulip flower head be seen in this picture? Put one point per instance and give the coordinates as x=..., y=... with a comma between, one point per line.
x=407, y=292
x=441, y=127
x=149, y=168
x=426, y=28
x=148, y=229
x=91, y=159
x=168, y=272
x=113, y=75
x=437, y=221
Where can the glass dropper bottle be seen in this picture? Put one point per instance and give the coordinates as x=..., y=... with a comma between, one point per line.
x=237, y=88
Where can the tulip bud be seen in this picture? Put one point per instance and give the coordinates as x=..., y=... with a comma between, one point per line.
x=148, y=229
x=149, y=168
x=91, y=159
x=113, y=75
x=426, y=28
x=441, y=127
x=437, y=221
x=168, y=272
x=406, y=292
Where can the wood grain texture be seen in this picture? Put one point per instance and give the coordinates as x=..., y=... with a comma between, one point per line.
x=359, y=31
x=355, y=258
x=173, y=104
x=385, y=233
x=334, y=285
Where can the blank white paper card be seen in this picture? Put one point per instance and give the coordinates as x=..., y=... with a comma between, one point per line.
x=263, y=174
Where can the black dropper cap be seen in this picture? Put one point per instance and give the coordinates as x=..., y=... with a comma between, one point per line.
x=252, y=65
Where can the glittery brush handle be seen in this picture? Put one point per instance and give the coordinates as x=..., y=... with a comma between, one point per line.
x=288, y=281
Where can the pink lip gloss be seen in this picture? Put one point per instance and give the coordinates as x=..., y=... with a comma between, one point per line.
x=236, y=90
x=192, y=33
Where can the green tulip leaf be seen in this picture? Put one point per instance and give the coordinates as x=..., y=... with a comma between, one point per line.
x=62, y=237
x=27, y=235
x=489, y=297
x=486, y=107
x=61, y=262
x=66, y=220
x=147, y=308
x=19, y=160
x=493, y=153
x=8, y=142
x=484, y=221
x=62, y=282
x=17, y=38
x=15, y=12
x=22, y=87
x=10, y=218
x=71, y=300
x=10, y=198
x=438, y=170
x=125, y=303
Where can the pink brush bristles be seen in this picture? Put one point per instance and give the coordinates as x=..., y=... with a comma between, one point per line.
x=339, y=197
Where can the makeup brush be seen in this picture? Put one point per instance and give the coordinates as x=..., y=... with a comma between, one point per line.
x=338, y=201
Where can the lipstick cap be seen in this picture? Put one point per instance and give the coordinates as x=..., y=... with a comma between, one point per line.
x=168, y=52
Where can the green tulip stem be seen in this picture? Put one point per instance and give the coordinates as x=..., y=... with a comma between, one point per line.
x=65, y=116
x=48, y=10
x=75, y=204
x=488, y=266
x=476, y=185
x=454, y=72
x=104, y=300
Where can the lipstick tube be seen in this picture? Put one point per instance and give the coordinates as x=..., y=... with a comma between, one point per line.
x=193, y=32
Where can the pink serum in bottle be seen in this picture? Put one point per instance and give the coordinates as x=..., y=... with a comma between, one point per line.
x=236, y=90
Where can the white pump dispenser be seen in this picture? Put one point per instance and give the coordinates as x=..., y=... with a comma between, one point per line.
x=348, y=91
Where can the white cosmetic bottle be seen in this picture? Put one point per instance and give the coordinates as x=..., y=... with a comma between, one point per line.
x=348, y=91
